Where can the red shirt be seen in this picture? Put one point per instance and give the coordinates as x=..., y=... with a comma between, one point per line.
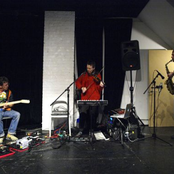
x=93, y=88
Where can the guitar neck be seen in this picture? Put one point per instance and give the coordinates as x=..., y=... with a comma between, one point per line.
x=14, y=102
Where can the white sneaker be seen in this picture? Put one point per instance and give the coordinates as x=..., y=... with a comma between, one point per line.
x=1, y=140
x=11, y=137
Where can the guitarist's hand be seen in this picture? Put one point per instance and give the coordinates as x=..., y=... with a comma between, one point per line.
x=7, y=106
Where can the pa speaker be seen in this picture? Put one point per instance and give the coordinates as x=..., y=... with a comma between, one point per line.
x=130, y=55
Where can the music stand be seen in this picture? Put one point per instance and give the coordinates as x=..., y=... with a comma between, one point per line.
x=154, y=108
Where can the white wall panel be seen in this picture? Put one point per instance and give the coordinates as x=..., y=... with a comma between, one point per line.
x=58, y=65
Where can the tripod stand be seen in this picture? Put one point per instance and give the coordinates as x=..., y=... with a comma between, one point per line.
x=154, y=108
x=133, y=110
x=132, y=117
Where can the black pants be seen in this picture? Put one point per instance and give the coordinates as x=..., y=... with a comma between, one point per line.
x=88, y=116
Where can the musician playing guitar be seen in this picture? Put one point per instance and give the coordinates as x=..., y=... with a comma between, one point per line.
x=7, y=111
x=91, y=85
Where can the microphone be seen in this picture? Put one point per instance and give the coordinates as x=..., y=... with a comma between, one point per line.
x=160, y=74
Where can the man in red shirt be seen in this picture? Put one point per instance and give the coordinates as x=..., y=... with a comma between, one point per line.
x=91, y=85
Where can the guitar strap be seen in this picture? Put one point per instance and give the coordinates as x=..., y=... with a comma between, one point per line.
x=8, y=97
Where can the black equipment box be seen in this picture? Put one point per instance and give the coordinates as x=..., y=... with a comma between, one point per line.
x=133, y=132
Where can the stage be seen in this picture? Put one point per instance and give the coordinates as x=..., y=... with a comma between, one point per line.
x=148, y=155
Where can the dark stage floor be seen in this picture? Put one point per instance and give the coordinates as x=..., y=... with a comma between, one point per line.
x=148, y=155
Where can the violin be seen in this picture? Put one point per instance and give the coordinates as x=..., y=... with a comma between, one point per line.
x=96, y=78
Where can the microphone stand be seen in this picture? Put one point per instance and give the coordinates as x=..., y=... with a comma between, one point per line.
x=154, y=108
x=67, y=89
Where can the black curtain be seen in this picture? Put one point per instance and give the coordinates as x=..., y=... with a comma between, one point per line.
x=89, y=40
x=88, y=35
x=116, y=32
x=21, y=54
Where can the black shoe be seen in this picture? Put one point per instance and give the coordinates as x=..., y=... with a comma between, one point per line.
x=172, y=137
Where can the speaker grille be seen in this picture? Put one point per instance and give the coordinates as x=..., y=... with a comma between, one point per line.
x=130, y=55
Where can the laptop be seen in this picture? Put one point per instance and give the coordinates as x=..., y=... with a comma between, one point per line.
x=126, y=114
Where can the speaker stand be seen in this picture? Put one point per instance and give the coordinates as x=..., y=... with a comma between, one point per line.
x=133, y=110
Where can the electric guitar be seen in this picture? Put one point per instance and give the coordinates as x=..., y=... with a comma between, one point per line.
x=15, y=102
